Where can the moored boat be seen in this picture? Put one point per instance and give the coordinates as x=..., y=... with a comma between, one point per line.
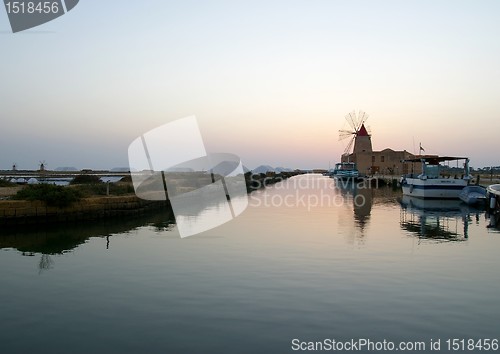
x=473, y=195
x=345, y=171
x=494, y=204
x=494, y=190
x=493, y=197
x=431, y=183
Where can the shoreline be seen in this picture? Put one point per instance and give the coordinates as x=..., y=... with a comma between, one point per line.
x=26, y=212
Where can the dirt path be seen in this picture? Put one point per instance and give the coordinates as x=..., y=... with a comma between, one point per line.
x=8, y=191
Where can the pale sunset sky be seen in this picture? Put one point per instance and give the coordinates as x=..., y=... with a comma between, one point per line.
x=270, y=81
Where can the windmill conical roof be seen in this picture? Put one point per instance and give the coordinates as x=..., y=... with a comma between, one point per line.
x=362, y=131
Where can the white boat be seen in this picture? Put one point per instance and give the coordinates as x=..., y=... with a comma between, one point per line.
x=494, y=205
x=494, y=197
x=473, y=195
x=431, y=183
x=494, y=189
x=345, y=170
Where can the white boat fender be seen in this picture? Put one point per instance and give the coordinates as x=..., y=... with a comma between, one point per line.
x=493, y=201
x=492, y=221
x=411, y=188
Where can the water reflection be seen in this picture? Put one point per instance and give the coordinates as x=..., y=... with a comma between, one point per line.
x=275, y=273
x=48, y=240
x=45, y=263
x=362, y=203
x=439, y=220
x=360, y=194
x=206, y=208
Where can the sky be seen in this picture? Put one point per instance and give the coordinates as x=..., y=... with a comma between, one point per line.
x=270, y=81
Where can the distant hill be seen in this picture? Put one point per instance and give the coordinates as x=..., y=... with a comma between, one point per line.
x=65, y=168
x=263, y=169
x=246, y=169
x=120, y=169
x=267, y=168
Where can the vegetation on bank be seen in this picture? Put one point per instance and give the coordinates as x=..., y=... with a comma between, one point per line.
x=53, y=195
x=86, y=185
x=101, y=189
x=86, y=179
x=5, y=183
x=90, y=185
x=82, y=186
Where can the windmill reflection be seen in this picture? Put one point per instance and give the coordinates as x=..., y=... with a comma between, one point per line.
x=439, y=220
x=45, y=263
x=360, y=194
x=359, y=197
x=362, y=203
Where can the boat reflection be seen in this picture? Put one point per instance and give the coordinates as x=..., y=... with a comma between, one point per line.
x=438, y=220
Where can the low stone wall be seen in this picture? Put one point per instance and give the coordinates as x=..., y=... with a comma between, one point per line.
x=32, y=212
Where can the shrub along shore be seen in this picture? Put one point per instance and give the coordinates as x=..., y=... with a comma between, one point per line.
x=87, y=198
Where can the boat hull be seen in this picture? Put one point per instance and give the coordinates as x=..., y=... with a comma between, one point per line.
x=438, y=188
x=473, y=195
x=345, y=171
x=347, y=177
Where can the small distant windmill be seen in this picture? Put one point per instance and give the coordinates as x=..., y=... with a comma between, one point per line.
x=14, y=167
x=356, y=122
x=43, y=164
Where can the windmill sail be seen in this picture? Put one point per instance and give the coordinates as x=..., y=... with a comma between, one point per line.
x=356, y=122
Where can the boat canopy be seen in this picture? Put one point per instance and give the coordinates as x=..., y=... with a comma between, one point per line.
x=434, y=159
x=345, y=166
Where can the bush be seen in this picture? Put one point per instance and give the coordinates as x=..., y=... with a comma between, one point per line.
x=126, y=179
x=52, y=195
x=89, y=190
x=5, y=183
x=86, y=179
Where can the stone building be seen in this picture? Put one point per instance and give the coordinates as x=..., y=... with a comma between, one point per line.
x=387, y=161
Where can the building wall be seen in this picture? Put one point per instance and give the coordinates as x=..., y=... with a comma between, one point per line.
x=387, y=162
x=363, y=144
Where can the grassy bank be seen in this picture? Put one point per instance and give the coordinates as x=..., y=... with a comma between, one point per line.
x=87, y=198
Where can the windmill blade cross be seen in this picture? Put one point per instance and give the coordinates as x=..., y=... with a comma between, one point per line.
x=363, y=117
x=344, y=134
x=348, y=148
x=369, y=130
x=351, y=119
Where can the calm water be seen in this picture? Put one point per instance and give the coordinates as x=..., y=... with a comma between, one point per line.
x=331, y=263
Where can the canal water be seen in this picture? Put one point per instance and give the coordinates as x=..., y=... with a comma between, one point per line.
x=306, y=261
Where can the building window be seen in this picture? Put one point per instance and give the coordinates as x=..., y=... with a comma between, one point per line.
x=382, y=158
x=373, y=158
